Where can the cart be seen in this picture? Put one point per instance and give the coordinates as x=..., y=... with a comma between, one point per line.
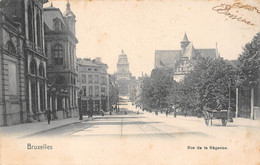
x=215, y=114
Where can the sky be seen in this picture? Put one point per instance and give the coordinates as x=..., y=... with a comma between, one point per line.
x=105, y=27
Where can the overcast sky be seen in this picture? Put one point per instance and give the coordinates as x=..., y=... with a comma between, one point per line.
x=104, y=28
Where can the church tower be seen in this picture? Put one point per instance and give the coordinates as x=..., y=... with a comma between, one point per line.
x=70, y=18
x=184, y=43
x=123, y=74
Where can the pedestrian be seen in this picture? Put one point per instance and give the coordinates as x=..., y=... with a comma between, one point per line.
x=48, y=113
x=174, y=111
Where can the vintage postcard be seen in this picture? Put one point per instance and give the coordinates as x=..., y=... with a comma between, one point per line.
x=133, y=82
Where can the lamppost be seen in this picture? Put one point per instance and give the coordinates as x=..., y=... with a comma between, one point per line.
x=230, y=119
x=90, y=107
x=80, y=107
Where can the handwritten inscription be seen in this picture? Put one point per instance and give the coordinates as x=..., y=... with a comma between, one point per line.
x=226, y=8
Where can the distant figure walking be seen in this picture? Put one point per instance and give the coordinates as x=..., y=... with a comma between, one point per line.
x=48, y=113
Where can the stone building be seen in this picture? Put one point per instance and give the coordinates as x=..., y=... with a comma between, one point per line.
x=182, y=61
x=94, y=83
x=60, y=48
x=123, y=75
x=23, y=83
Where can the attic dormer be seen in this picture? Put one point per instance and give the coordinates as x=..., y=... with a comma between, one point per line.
x=57, y=24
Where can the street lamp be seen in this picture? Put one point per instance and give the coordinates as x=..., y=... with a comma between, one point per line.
x=80, y=107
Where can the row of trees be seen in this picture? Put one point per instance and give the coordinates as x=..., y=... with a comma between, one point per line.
x=209, y=84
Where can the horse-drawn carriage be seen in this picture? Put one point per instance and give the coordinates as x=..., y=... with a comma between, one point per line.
x=209, y=115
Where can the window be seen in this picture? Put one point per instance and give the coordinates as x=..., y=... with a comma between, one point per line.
x=103, y=90
x=96, y=79
x=41, y=70
x=96, y=90
x=30, y=22
x=84, y=90
x=58, y=55
x=11, y=47
x=83, y=78
x=103, y=80
x=57, y=25
x=90, y=91
x=33, y=67
x=60, y=79
x=90, y=78
x=38, y=20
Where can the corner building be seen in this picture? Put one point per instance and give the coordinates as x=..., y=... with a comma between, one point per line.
x=94, y=83
x=60, y=48
x=23, y=83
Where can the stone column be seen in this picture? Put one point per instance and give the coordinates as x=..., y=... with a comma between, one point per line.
x=30, y=97
x=55, y=103
x=38, y=96
x=46, y=96
x=252, y=103
x=237, y=101
x=63, y=102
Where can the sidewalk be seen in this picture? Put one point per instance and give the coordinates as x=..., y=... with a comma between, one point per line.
x=241, y=122
x=28, y=129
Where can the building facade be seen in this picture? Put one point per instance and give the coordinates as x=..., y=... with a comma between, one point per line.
x=60, y=48
x=94, y=85
x=23, y=82
x=182, y=61
x=123, y=75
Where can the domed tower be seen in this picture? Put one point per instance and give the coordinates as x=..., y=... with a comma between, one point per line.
x=123, y=74
x=69, y=18
x=184, y=43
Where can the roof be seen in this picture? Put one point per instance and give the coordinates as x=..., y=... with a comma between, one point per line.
x=50, y=13
x=211, y=53
x=167, y=58
x=190, y=52
x=185, y=38
x=68, y=12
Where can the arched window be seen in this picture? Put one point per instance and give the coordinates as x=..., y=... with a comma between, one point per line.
x=30, y=22
x=58, y=55
x=33, y=67
x=41, y=70
x=60, y=80
x=10, y=47
x=38, y=20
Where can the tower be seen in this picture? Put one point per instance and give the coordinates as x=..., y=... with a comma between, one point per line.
x=69, y=18
x=123, y=74
x=184, y=43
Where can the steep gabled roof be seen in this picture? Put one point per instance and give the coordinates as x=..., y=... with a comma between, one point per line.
x=190, y=52
x=211, y=53
x=167, y=58
x=185, y=38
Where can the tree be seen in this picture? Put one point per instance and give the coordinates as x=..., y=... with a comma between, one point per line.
x=208, y=82
x=248, y=63
x=156, y=88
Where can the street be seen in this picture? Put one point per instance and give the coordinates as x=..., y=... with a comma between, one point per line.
x=151, y=126
x=135, y=138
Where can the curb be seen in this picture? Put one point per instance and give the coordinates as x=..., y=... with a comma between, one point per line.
x=43, y=131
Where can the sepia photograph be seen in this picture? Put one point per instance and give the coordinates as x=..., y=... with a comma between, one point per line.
x=129, y=82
